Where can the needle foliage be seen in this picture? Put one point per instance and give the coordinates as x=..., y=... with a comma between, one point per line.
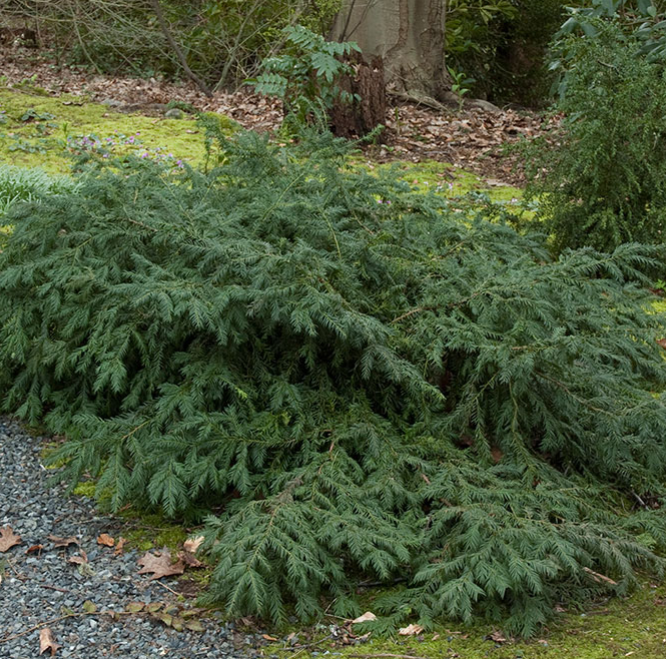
x=363, y=382
x=605, y=183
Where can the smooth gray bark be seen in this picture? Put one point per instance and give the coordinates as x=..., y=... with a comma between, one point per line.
x=407, y=34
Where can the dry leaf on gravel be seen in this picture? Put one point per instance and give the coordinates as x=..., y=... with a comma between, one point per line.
x=8, y=538
x=63, y=542
x=120, y=546
x=410, y=630
x=194, y=626
x=192, y=544
x=106, y=540
x=81, y=559
x=34, y=548
x=368, y=616
x=47, y=642
x=160, y=565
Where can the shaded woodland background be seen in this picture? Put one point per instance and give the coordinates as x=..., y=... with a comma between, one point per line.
x=496, y=46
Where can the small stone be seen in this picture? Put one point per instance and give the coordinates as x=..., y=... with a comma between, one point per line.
x=174, y=113
x=112, y=103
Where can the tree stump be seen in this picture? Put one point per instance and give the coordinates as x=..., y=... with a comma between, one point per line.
x=358, y=118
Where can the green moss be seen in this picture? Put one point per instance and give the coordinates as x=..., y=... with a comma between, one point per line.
x=85, y=489
x=148, y=531
x=227, y=124
x=623, y=627
x=452, y=181
x=40, y=141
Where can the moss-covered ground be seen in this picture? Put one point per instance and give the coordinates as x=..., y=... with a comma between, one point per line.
x=38, y=130
x=634, y=627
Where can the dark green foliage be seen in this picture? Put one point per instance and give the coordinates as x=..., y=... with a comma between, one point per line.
x=502, y=45
x=605, y=182
x=306, y=77
x=336, y=364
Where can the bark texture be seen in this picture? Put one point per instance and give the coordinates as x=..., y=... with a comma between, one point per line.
x=408, y=35
x=360, y=117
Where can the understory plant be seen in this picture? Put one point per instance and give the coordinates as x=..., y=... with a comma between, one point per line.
x=305, y=76
x=604, y=182
x=363, y=382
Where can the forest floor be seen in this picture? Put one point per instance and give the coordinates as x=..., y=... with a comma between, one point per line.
x=46, y=111
x=474, y=140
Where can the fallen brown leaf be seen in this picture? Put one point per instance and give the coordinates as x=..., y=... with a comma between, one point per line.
x=120, y=546
x=106, y=540
x=34, y=548
x=63, y=542
x=81, y=559
x=410, y=630
x=498, y=637
x=47, y=642
x=8, y=538
x=160, y=565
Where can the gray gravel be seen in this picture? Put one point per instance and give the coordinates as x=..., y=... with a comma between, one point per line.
x=39, y=588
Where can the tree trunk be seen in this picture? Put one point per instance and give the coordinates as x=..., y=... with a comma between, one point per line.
x=408, y=35
x=358, y=118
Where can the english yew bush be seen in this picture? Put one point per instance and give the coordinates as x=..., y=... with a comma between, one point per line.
x=364, y=382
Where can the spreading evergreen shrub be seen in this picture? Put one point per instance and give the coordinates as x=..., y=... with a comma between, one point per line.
x=362, y=382
x=604, y=183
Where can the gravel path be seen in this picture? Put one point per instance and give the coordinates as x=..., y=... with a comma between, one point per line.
x=44, y=585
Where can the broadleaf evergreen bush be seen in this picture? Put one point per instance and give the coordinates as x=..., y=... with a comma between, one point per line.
x=363, y=380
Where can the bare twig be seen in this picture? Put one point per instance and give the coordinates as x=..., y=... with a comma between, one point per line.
x=599, y=577
x=164, y=26
x=171, y=590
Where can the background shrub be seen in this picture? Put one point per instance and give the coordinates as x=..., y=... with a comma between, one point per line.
x=604, y=182
x=224, y=41
x=502, y=45
x=365, y=382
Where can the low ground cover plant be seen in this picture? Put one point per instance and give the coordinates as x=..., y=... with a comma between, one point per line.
x=23, y=184
x=361, y=381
